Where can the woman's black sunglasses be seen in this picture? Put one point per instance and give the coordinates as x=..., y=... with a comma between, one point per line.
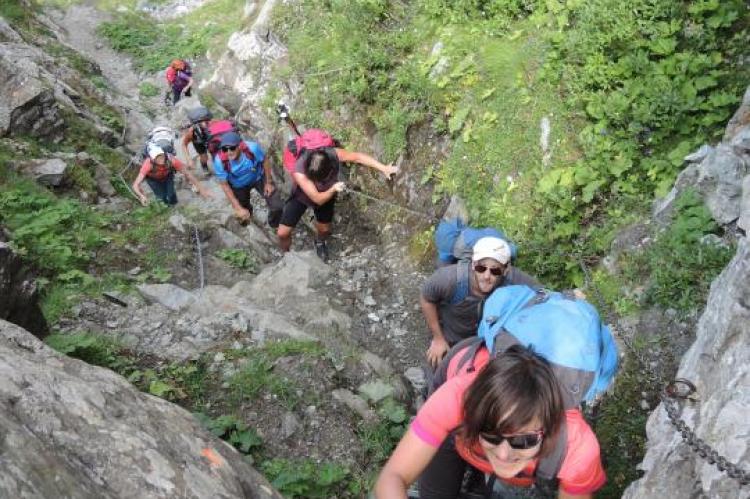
x=521, y=441
x=228, y=148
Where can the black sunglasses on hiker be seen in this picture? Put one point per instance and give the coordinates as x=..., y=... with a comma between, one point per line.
x=496, y=271
x=520, y=441
x=229, y=148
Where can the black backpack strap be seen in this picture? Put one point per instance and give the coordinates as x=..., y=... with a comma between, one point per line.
x=474, y=343
x=549, y=466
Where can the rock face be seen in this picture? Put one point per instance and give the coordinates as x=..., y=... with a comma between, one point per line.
x=282, y=302
x=717, y=178
x=718, y=363
x=77, y=431
x=27, y=102
x=245, y=70
x=18, y=293
x=740, y=119
x=48, y=172
x=717, y=173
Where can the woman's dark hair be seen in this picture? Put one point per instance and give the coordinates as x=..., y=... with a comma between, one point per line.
x=514, y=389
x=319, y=166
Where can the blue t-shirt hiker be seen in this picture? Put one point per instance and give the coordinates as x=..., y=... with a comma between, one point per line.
x=240, y=166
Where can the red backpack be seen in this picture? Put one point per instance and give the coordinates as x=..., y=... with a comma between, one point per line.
x=216, y=129
x=310, y=140
x=175, y=66
x=224, y=157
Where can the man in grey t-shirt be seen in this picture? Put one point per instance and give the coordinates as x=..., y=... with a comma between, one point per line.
x=451, y=296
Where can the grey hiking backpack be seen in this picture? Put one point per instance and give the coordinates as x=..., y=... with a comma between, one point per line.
x=161, y=136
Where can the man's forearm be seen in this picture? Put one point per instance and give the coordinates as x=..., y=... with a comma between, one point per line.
x=230, y=195
x=267, y=172
x=430, y=312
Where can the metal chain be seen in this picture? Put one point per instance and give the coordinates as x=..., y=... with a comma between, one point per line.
x=199, y=252
x=669, y=396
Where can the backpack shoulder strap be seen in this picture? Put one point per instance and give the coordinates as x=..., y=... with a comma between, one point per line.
x=225, y=157
x=246, y=151
x=170, y=164
x=462, y=283
x=470, y=346
x=549, y=466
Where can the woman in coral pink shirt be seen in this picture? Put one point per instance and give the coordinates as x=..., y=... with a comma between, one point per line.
x=501, y=418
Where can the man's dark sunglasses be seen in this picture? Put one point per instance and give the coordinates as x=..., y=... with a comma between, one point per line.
x=496, y=271
x=228, y=148
x=521, y=441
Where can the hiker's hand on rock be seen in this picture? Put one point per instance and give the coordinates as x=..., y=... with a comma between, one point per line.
x=268, y=189
x=436, y=352
x=205, y=194
x=339, y=186
x=143, y=200
x=390, y=171
x=243, y=214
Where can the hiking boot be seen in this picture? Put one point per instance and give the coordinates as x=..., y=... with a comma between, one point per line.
x=322, y=250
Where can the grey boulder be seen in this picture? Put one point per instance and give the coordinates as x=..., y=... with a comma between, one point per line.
x=77, y=431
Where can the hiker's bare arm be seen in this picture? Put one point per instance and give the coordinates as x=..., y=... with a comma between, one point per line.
x=239, y=210
x=367, y=160
x=194, y=181
x=308, y=187
x=438, y=345
x=137, y=189
x=187, y=137
x=561, y=494
x=268, y=187
x=410, y=458
x=188, y=86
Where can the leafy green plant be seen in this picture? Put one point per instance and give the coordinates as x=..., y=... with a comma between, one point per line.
x=380, y=438
x=256, y=375
x=238, y=258
x=175, y=382
x=682, y=262
x=92, y=348
x=16, y=12
x=148, y=89
x=234, y=431
x=56, y=235
x=305, y=478
x=651, y=90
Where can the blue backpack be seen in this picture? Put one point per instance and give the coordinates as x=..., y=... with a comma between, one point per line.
x=565, y=330
x=455, y=240
x=561, y=328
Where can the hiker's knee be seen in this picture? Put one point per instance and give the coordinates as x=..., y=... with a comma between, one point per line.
x=284, y=232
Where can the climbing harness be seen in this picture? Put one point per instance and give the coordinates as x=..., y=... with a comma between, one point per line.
x=678, y=389
x=199, y=253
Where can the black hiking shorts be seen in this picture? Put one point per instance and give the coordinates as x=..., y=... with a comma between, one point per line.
x=294, y=209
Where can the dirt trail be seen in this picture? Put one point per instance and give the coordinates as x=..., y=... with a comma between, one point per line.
x=376, y=283
x=80, y=23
